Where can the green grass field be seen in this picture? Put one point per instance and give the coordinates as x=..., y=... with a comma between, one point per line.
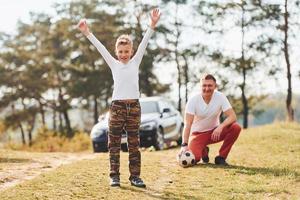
x=265, y=164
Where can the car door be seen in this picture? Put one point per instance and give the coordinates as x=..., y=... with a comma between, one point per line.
x=168, y=119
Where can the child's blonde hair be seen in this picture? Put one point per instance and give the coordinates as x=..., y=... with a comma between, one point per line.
x=124, y=40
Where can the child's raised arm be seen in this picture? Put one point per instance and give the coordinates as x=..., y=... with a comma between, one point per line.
x=154, y=16
x=83, y=27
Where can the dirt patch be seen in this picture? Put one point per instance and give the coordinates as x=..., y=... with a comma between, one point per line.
x=15, y=170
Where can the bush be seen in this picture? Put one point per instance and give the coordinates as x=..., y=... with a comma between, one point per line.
x=50, y=141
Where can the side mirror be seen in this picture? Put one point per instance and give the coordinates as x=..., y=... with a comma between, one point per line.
x=166, y=110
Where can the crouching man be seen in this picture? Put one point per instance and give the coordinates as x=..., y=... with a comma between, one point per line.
x=202, y=125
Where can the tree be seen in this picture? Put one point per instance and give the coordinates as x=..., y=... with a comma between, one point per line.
x=285, y=28
x=91, y=77
x=136, y=23
x=255, y=51
x=174, y=51
x=20, y=92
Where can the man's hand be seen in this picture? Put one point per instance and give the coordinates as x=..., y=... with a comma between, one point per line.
x=83, y=27
x=215, y=136
x=183, y=149
x=154, y=15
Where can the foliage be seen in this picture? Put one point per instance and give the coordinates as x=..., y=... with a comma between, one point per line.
x=49, y=141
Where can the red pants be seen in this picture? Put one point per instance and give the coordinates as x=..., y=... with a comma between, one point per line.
x=199, y=140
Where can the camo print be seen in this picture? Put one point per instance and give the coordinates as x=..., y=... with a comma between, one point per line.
x=124, y=117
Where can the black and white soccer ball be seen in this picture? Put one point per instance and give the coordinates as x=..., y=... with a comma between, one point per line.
x=186, y=159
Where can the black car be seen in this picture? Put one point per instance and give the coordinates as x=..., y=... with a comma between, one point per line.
x=161, y=123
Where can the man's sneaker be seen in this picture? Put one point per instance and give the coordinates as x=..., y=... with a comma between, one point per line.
x=205, y=159
x=220, y=161
x=115, y=182
x=137, y=182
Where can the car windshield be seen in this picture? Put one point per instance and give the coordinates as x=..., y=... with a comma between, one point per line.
x=149, y=107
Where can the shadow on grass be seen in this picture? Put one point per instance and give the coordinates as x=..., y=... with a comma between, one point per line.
x=155, y=194
x=269, y=171
x=14, y=160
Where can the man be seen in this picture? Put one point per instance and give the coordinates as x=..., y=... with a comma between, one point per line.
x=202, y=126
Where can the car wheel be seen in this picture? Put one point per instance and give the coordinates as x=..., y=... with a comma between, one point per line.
x=100, y=147
x=124, y=147
x=179, y=141
x=159, y=141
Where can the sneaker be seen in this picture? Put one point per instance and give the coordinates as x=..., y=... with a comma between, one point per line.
x=115, y=182
x=205, y=159
x=220, y=161
x=137, y=182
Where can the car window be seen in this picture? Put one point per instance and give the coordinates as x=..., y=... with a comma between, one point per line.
x=149, y=107
x=171, y=106
x=162, y=105
x=165, y=104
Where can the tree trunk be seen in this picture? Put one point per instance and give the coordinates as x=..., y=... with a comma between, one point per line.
x=70, y=133
x=186, y=78
x=96, y=114
x=22, y=134
x=177, y=61
x=61, y=126
x=290, y=110
x=30, y=138
x=179, y=83
x=30, y=129
x=245, y=106
x=244, y=71
x=64, y=112
x=54, y=120
x=42, y=111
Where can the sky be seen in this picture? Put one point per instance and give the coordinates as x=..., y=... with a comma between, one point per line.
x=13, y=10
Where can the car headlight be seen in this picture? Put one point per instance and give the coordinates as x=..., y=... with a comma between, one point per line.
x=97, y=133
x=148, y=126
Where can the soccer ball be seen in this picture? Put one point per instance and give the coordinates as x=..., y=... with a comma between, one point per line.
x=186, y=159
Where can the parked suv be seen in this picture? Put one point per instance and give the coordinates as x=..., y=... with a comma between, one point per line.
x=161, y=123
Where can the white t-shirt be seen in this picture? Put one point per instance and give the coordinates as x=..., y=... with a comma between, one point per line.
x=206, y=116
x=125, y=76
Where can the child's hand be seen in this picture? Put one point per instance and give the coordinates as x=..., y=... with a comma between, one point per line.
x=83, y=27
x=154, y=15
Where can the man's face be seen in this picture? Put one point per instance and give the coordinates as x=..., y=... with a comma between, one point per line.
x=124, y=53
x=208, y=87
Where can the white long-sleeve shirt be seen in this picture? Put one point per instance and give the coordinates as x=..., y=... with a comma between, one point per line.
x=125, y=76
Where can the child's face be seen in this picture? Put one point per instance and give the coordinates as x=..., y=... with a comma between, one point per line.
x=124, y=52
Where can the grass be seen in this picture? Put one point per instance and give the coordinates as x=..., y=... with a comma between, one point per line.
x=265, y=164
x=49, y=141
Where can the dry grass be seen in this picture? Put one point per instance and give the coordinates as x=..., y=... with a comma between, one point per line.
x=48, y=141
x=265, y=164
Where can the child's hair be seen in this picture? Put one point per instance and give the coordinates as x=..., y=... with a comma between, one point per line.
x=124, y=40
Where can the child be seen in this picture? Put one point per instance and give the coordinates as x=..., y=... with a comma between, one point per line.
x=125, y=111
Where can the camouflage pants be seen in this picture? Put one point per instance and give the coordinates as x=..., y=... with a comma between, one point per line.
x=124, y=116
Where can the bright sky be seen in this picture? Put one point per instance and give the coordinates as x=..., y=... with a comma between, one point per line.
x=13, y=10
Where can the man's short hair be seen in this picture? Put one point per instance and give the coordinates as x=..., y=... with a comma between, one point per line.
x=124, y=40
x=209, y=77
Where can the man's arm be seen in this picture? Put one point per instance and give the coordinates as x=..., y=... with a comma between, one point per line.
x=230, y=118
x=188, y=120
